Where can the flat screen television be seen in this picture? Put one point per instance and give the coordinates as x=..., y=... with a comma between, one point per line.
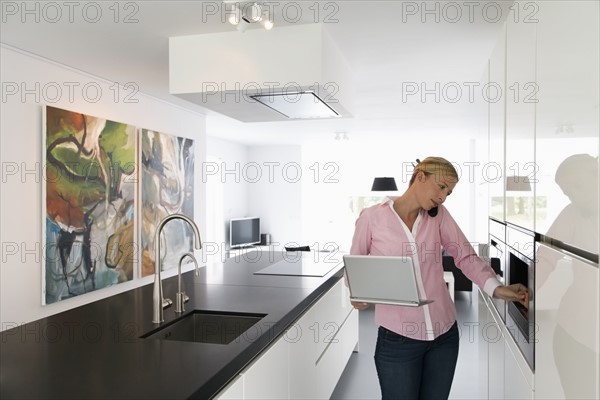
x=244, y=232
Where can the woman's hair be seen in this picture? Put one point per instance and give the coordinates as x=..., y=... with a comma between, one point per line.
x=434, y=165
x=577, y=168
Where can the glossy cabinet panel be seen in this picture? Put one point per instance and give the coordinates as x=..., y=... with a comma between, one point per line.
x=567, y=122
x=233, y=391
x=267, y=377
x=308, y=360
x=516, y=385
x=567, y=310
x=494, y=171
x=521, y=96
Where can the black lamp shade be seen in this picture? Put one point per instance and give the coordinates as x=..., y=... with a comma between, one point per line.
x=518, y=184
x=384, y=185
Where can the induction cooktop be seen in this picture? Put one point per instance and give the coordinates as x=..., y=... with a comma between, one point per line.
x=307, y=264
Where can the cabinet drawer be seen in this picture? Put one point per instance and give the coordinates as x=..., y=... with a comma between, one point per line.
x=498, y=230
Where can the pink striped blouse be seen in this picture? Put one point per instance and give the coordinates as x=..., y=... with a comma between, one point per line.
x=380, y=231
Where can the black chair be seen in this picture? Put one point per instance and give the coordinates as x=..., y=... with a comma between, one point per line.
x=461, y=282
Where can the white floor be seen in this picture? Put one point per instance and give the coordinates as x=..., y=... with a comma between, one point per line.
x=359, y=380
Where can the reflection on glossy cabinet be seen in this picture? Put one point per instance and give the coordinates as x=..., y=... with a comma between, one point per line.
x=567, y=122
x=516, y=385
x=494, y=171
x=521, y=96
x=567, y=315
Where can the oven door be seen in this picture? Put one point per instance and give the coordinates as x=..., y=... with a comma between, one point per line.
x=520, y=320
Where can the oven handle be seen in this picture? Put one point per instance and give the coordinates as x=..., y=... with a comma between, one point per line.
x=498, y=269
x=495, y=244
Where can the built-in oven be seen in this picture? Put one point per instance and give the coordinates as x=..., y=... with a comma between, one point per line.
x=496, y=257
x=520, y=268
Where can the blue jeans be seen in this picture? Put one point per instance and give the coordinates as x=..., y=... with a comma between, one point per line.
x=416, y=369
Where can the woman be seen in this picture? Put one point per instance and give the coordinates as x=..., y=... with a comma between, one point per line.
x=417, y=347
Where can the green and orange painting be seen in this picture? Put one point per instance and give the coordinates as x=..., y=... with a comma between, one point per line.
x=90, y=186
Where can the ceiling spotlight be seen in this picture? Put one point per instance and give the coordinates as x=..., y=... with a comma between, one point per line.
x=234, y=19
x=268, y=24
x=253, y=12
x=241, y=16
x=243, y=25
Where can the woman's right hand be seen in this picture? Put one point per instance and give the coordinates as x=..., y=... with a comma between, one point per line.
x=359, y=305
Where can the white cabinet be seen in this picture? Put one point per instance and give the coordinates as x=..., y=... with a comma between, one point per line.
x=496, y=94
x=233, y=391
x=308, y=360
x=267, y=377
x=567, y=122
x=496, y=356
x=517, y=386
x=491, y=352
x=321, y=343
x=508, y=374
x=567, y=315
x=521, y=97
x=482, y=347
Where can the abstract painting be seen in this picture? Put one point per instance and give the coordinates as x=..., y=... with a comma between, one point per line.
x=89, y=190
x=167, y=188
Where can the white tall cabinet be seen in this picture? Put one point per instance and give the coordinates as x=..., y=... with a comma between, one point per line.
x=521, y=93
x=508, y=375
x=567, y=122
x=549, y=125
x=494, y=172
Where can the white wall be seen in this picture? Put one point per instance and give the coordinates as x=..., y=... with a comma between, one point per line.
x=347, y=168
x=313, y=208
x=224, y=166
x=276, y=195
x=21, y=145
x=258, y=181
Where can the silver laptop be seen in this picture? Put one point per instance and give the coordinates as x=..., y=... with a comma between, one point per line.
x=383, y=279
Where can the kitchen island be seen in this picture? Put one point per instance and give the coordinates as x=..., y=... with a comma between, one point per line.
x=95, y=351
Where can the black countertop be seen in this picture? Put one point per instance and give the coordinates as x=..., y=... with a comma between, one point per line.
x=95, y=351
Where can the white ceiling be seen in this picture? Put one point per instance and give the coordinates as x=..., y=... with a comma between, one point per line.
x=384, y=45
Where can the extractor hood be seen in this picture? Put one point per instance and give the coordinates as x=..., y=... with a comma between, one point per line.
x=297, y=105
x=288, y=73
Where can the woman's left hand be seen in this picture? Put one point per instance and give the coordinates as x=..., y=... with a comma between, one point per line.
x=516, y=292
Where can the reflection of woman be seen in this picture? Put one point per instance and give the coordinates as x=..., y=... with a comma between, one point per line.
x=577, y=225
x=417, y=347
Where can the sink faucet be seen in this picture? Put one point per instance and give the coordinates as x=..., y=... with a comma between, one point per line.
x=157, y=297
x=181, y=297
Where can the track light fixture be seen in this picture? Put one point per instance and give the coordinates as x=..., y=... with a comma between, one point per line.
x=243, y=14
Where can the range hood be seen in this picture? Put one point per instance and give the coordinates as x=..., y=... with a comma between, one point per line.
x=297, y=105
x=288, y=73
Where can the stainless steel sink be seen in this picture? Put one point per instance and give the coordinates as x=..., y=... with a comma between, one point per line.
x=207, y=327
